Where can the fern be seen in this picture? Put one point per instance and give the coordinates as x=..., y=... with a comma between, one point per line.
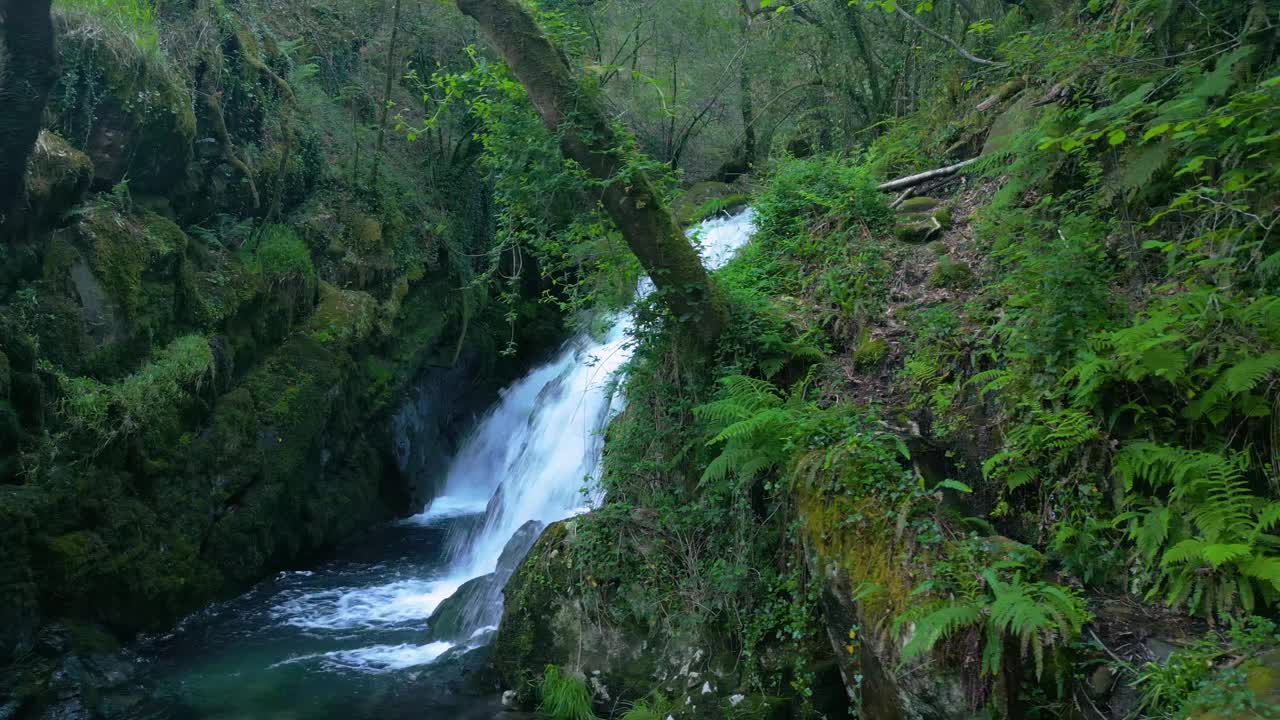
x=1211, y=538
x=1039, y=616
x=752, y=422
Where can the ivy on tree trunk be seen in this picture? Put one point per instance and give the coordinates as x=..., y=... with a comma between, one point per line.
x=587, y=138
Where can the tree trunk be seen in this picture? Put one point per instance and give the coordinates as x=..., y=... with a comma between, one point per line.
x=386, y=94
x=30, y=72
x=587, y=138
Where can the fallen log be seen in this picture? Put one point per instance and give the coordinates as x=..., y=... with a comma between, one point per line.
x=913, y=180
x=1001, y=94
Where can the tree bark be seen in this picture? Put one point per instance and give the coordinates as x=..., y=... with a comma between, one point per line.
x=30, y=72
x=913, y=180
x=951, y=43
x=588, y=138
x=386, y=94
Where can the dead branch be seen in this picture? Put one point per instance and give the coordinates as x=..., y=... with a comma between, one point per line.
x=913, y=180
x=939, y=36
x=1001, y=94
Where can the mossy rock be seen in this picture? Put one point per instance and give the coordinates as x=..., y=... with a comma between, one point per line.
x=917, y=231
x=1249, y=692
x=918, y=205
x=57, y=176
x=702, y=199
x=921, y=220
x=343, y=317
x=134, y=110
x=948, y=273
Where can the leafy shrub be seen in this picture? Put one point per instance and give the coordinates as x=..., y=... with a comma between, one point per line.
x=281, y=255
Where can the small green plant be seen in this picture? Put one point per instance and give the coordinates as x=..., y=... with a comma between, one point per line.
x=281, y=255
x=564, y=696
x=656, y=707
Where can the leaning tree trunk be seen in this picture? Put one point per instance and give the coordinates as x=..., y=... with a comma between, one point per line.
x=587, y=138
x=29, y=73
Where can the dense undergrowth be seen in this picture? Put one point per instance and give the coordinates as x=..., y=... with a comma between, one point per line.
x=1071, y=398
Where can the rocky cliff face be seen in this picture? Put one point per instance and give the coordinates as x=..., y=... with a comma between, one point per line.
x=194, y=394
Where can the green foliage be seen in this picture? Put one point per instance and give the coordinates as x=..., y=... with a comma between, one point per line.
x=1190, y=679
x=656, y=707
x=136, y=18
x=755, y=425
x=992, y=598
x=146, y=401
x=281, y=256
x=564, y=696
x=1201, y=527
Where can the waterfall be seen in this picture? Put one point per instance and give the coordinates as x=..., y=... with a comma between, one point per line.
x=532, y=460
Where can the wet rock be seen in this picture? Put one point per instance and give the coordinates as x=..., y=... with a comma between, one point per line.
x=518, y=546
x=474, y=605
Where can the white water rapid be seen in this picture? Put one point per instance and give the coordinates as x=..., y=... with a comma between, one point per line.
x=533, y=460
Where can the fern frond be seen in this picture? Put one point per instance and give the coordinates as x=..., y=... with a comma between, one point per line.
x=938, y=624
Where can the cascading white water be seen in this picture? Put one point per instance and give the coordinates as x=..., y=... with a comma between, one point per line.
x=539, y=450
x=534, y=457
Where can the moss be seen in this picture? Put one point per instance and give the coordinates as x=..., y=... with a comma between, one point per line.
x=75, y=556
x=951, y=274
x=917, y=205
x=366, y=234
x=343, y=316
x=125, y=248
x=858, y=538
x=527, y=640
x=281, y=255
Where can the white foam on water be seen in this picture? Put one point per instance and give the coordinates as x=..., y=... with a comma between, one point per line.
x=352, y=608
x=446, y=507
x=375, y=659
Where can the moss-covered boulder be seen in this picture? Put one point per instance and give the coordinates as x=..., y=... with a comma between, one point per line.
x=112, y=284
x=126, y=108
x=545, y=622
x=57, y=176
x=852, y=545
x=921, y=220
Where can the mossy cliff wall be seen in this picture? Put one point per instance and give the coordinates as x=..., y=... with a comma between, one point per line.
x=208, y=375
